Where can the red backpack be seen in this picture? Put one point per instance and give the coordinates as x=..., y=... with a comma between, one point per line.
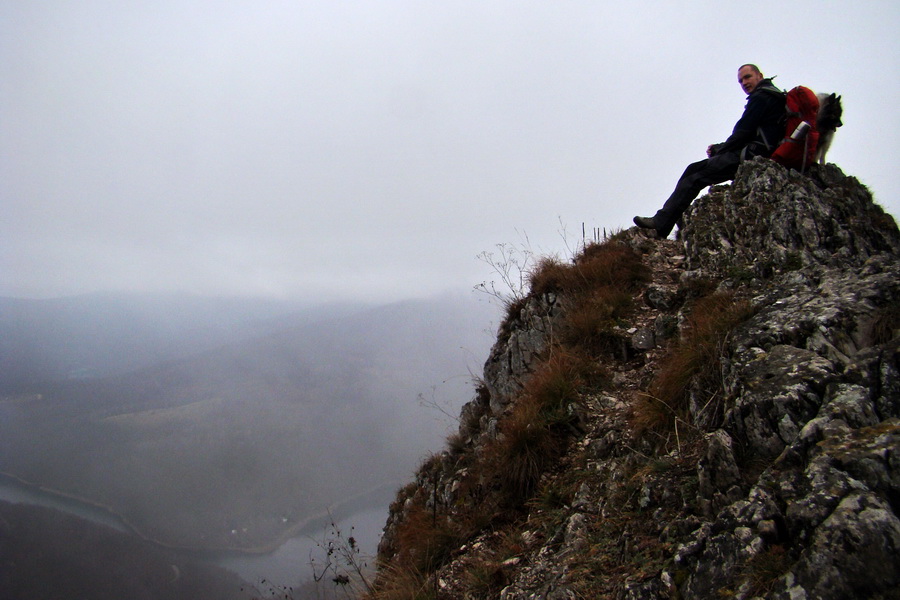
x=798, y=147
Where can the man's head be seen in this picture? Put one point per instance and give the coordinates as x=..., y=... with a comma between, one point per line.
x=749, y=77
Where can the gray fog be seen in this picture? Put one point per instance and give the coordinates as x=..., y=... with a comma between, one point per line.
x=370, y=150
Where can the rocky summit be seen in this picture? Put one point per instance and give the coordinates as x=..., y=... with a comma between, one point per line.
x=712, y=416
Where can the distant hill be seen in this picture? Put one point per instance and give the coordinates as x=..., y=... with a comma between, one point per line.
x=99, y=335
x=275, y=420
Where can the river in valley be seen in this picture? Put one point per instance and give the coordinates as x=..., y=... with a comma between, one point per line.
x=286, y=566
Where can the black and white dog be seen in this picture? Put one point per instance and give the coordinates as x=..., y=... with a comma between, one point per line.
x=827, y=122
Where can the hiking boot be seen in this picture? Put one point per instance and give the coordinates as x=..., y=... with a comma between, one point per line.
x=645, y=222
x=650, y=223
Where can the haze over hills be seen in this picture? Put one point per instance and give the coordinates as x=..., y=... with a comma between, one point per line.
x=99, y=335
x=238, y=425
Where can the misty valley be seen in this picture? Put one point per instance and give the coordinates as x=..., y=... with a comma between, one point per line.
x=209, y=425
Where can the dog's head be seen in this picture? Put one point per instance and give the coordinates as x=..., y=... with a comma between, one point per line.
x=830, y=112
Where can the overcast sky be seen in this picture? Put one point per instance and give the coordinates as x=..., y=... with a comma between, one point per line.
x=370, y=150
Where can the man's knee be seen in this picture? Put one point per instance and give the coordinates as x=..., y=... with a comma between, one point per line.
x=695, y=168
x=723, y=162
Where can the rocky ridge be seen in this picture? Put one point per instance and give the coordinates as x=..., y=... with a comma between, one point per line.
x=771, y=471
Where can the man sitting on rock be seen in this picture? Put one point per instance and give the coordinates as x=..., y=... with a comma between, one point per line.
x=757, y=133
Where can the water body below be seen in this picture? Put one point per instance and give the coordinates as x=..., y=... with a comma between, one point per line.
x=286, y=566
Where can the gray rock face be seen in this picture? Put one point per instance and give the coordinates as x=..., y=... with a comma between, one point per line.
x=514, y=354
x=794, y=492
x=810, y=384
x=773, y=220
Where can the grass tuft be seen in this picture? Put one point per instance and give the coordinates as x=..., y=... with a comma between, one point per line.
x=591, y=325
x=764, y=569
x=534, y=432
x=606, y=264
x=424, y=539
x=695, y=361
x=398, y=582
x=886, y=323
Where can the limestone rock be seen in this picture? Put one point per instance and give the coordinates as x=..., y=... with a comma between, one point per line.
x=514, y=354
x=781, y=483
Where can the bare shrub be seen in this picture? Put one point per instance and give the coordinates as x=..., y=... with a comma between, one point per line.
x=510, y=265
x=341, y=562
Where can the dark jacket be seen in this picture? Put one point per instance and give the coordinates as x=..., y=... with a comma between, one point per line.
x=761, y=127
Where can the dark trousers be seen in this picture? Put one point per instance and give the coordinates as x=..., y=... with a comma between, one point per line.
x=698, y=175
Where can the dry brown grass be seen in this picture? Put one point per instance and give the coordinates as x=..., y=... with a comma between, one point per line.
x=398, y=582
x=591, y=324
x=554, y=386
x=886, y=323
x=511, y=317
x=764, y=569
x=424, y=539
x=487, y=575
x=523, y=453
x=695, y=361
x=607, y=264
x=534, y=432
x=599, y=286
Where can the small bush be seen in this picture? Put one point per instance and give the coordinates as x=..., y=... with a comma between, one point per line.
x=699, y=287
x=523, y=453
x=456, y=444
x=470, y=417
x=549, y=276
x=550, y=498
x=513, y=311
x=611, y=263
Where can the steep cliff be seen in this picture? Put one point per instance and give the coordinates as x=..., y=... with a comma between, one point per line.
x=714, y=416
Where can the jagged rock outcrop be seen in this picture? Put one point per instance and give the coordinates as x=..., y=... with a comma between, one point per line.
x=779, y=475
x=523, y=340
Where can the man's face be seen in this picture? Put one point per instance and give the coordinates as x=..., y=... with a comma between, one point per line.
x=749, y=78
